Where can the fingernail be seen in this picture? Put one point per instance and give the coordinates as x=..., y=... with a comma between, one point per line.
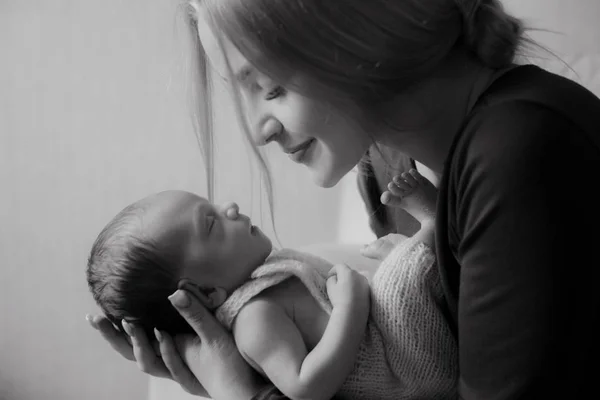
x=158, y=335
x=180, y=299
x=128, y=328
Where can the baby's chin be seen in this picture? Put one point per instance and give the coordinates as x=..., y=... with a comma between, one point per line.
x=266, y=247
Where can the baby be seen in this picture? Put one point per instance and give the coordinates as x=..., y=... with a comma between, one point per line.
x=276, y=302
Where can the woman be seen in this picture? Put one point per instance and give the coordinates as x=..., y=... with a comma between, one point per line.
x=517, y=149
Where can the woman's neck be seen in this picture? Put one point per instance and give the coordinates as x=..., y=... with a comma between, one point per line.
x=423, y=121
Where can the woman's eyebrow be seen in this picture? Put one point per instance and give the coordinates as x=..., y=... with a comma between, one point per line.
x=241, y=76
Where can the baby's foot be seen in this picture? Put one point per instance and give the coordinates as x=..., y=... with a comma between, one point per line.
x=414, y=193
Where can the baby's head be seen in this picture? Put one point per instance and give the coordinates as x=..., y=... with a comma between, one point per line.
x=140, y=257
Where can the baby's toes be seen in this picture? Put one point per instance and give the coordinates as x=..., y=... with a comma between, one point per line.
x=389, y=199
x=386, y=197
x=396, y=190
x=401, y=182
x=420, y=179
x=412, y=182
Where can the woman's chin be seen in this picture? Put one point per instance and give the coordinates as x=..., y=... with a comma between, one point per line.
x=326, y=180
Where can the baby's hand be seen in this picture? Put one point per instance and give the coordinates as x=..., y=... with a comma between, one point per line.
x=348, y=288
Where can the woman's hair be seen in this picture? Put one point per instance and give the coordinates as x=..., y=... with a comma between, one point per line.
x=363, y=52
x=366, y=50
x=131, y=279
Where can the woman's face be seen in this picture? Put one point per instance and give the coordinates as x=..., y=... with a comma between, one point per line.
x=329, y=140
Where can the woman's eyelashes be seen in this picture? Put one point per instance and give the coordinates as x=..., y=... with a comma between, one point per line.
x=272, y=94
x=275, y=93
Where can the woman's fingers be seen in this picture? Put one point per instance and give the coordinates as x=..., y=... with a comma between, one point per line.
x=200, y=319
x=144, y=353
x=212, y=356
x=179, y=371
x=118, y=340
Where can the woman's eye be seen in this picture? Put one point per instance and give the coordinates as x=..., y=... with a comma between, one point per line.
x=255, y=87
x=275, y=93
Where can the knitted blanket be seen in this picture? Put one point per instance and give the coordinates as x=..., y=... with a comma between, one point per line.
x=408, y=350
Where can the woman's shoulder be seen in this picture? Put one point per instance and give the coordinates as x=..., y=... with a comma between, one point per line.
x=535, y=84
x=529, y=87
x=526, y=115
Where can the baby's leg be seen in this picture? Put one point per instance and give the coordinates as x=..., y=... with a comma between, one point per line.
x=415, y=194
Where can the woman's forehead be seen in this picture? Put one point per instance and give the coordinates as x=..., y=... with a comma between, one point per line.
x=218, y=53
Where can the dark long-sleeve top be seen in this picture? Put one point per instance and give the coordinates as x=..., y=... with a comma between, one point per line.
x=518, y=219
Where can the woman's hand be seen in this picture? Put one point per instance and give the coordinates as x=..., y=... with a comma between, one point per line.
x=348, y=288
x=146, y=352
x=205, y=365
x=380, y=248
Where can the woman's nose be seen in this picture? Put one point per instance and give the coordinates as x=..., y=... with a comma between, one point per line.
x=267, y=131
x=231, y=210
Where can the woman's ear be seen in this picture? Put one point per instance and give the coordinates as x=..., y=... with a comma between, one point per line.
x=211, y=297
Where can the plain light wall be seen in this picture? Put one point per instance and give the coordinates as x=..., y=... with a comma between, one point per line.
x=569, y=29
x=572, y=24
x=92, y=117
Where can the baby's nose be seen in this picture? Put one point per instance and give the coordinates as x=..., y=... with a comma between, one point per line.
x=231, y=210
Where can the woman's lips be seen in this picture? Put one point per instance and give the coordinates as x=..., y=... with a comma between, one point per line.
x=298, y=154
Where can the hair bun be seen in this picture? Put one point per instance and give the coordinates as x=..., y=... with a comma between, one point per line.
x=490, y=32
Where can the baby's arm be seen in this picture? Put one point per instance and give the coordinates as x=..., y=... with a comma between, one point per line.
x=266, y=335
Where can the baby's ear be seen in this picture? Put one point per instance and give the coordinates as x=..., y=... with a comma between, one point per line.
x=217, y=296
x=211, y=297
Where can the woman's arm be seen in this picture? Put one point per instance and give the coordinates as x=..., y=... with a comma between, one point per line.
x=528, y=218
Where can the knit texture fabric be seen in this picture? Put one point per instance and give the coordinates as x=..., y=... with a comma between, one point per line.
x=408, y=350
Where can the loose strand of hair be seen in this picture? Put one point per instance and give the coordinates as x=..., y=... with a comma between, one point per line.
x=201, y=112
x=266, y=175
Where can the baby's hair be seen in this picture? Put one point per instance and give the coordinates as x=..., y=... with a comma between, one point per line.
x=131, y=279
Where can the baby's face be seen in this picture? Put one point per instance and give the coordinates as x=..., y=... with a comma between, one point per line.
x=215, y=246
